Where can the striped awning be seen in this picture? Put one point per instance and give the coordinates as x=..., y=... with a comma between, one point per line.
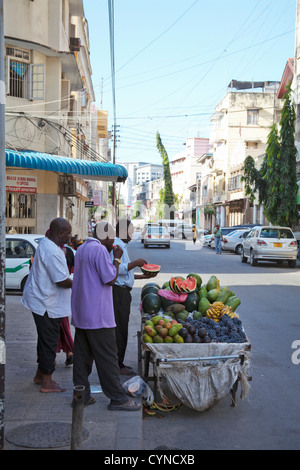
x=86, y=169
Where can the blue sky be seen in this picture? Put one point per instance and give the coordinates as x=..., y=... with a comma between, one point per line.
x=174, y=60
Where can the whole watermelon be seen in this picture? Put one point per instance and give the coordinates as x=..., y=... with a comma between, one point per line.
x=151, y=303
x=191, y=303
x=149, y=290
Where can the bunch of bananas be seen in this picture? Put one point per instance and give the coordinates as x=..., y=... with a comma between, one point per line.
x=218, y=309
x=228, y=311
x=215, y=311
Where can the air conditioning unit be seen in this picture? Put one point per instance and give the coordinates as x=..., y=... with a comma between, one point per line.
x=66, y=186
x=75, y=44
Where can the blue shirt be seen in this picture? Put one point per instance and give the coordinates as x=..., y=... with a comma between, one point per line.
x=125, y=277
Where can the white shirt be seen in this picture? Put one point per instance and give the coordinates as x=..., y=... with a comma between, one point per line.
x=41, y=293
x=125, y=276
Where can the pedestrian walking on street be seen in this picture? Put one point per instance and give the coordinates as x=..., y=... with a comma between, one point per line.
x=122, y=288
x=218, y=239
x=194, y=229
x=47, y=294
x=93, y=317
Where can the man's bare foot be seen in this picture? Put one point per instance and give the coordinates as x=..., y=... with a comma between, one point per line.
x=52, y=387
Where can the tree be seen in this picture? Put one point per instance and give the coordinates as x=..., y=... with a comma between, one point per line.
x=276, y=180
x=167, y=194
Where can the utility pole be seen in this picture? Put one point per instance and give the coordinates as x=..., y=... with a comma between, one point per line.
x=2, y=226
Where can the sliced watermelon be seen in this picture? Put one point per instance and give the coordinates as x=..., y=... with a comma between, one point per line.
x=191, y=284
x=171, y=283
x=150, y=268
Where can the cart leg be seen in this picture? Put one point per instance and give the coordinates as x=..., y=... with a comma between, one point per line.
x=139, y=344
x=147, y=361
x=233, y=392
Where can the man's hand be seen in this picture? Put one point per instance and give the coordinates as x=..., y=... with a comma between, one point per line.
x=117, y=251
x=140, y=262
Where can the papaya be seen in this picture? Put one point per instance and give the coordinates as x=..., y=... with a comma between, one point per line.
x=212, y=283
x=233, y=302
x=174, y=329
x=202, y=292
x=212, y=295
x=197, y=315
x=223, y=295
x=203, y=305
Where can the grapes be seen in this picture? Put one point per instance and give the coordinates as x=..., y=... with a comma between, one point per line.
x=228, y=330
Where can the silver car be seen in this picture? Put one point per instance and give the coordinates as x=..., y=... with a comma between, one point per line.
x=270, y=243
x=157, y=236
x=145, y=228
x=233, y=241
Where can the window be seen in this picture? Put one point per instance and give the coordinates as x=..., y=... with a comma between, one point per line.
x=19, y=249
x=235, y=183
x=252, y=116
x=24, y=80
x=20, y=205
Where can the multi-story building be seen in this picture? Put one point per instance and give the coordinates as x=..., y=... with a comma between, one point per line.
x=50, y=117
x=241, y=125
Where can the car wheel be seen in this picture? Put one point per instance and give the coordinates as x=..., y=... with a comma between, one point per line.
x=145, y=246
x=23, y=283
x=292, y=263
x=243, y=258
x=238, y=249
x=253, y=260
x=167, y=246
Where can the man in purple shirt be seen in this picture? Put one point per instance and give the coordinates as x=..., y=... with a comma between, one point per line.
x=93, y=317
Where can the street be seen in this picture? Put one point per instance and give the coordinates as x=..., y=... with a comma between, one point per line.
x=269, y=418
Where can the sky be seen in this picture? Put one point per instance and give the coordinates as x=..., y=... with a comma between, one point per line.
x=173, y=61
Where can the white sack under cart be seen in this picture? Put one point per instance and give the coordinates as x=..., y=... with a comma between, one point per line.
x=200, y=383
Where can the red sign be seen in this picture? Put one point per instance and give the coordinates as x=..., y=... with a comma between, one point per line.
x=21, y=184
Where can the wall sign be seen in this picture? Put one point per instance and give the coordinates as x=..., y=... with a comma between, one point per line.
x=21, y=184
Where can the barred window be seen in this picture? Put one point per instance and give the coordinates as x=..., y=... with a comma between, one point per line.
x=235, y=183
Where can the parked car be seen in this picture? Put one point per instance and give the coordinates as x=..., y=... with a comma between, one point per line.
x=207, y=239
x=145, y=228
x=19, y=249
x=270, y=243
x=233, y=241
x=225, y=231
x=157, y=236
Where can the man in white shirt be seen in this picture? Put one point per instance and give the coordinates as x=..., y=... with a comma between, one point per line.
x=47, y=294
x=122, y=288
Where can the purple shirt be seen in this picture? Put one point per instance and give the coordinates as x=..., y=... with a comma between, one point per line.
x=92, y=301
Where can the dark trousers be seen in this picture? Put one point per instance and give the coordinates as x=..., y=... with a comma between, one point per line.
x=48, y=333
x=98, y=345
x=122, y=302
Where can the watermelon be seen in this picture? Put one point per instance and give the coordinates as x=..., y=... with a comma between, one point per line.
x=191, y=303
x=150, y=284
x=149, y=290
x=150, y=268
x=151, y=303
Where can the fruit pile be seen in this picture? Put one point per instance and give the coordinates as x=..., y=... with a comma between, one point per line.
x=162, y=330
x=206, y=314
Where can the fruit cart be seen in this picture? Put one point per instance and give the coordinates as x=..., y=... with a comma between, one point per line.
x=192, y=343
x=199, y=375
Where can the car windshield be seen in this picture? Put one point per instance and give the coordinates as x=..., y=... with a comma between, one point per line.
x=274, y=232
x=158, y=230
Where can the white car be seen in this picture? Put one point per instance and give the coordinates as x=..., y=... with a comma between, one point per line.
x=270, y=243
x=157, y=236
x=233, y=241
x=19, y=250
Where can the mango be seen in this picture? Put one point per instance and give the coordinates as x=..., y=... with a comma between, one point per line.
x=163, y=332
x=168, y=339
x=147, y=338
x=174, y=329
x=178, y=339
x=156, y=319
x=158, y=339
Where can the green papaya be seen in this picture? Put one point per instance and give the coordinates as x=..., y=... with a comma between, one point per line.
x=203, y=305
x=212, y=283
x=202, y=292
x=223, y=296
x=212, y=295
x=233, y=302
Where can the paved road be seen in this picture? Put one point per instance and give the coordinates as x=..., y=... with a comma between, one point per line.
x=269, y=418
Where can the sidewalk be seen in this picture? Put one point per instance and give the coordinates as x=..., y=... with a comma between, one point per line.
x=47, y=417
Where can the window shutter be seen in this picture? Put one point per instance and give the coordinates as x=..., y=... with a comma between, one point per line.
x=37, y=82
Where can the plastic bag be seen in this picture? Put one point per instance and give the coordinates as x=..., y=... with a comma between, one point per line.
x=167, y=294
x=136, y=387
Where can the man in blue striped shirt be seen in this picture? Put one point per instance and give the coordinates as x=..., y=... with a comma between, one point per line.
x=122, y=288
